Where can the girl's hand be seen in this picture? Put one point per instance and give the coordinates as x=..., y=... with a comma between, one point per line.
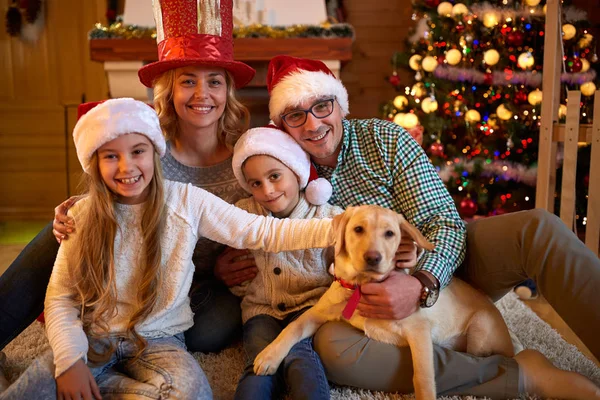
x=77, y=383
x=62, y=224
x=406, y=255
x=235, y=266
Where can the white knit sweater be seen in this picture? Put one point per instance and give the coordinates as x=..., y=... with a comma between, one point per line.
x=191, y=213
x=289, y=281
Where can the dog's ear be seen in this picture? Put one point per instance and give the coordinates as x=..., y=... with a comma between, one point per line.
x=415, y=233
x=339, y=227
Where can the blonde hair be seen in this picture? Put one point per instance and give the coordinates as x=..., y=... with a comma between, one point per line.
x=232, y=124
x=92, y=265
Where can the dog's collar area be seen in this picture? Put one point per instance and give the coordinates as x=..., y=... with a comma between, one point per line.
x=354, y=298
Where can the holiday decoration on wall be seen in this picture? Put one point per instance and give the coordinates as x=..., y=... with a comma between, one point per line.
x=25, y=19
x=476, y=95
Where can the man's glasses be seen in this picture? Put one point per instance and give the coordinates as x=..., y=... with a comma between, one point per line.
x=297, y=118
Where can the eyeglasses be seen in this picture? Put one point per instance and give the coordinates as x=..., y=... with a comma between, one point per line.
x=320, y=110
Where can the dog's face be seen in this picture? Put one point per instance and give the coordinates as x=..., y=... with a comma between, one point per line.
x=367, y=238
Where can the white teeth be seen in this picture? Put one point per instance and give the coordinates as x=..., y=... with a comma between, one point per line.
x=203, y=109
x=129, y=181
x=319, y=137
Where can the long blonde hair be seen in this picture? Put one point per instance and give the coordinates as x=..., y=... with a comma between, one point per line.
x=232, y=124
x=93, y=266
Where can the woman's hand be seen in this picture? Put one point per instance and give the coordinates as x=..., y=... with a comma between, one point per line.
x=235, y=266
x=77, y=383
x=406, y=255
x=62, y=224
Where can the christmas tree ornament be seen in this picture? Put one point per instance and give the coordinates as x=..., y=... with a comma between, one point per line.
x=394, y=79
x=585, y=40
x=568, y=31
x=562, y=111
x=525, y=60
x=459, y=9
x=491, y=57
x=472, y=116
x=532, y=3
x=588, y=89
x=400, y=102
x=432, y=3
x=418, y=90
x=488, y=78
x=585, y=65
x=444, y=9
x=467, y=208
x=520, y=97
x=399, y=118
x=414, y=62
x=409, y=121
x=503, y=113
x=594, y=58
x=429, y=105
x=436, y=149
x=534, y=97
x=490, y=19
x=453, y=56
x=429, y=64
x=515, y=38
x=575, y=64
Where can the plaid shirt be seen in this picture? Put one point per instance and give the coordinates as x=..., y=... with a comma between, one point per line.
x=380, y=163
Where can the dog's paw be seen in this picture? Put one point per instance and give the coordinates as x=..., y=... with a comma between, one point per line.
x=267, y=362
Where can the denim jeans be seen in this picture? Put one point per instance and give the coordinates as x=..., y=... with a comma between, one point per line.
x=164, y=371
x=23, y=285
x=301, y=369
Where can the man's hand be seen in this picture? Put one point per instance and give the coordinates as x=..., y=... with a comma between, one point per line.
x=406, y=255
x=62, y=224
x=235, y=266
x=77, y=383
x=396, y=297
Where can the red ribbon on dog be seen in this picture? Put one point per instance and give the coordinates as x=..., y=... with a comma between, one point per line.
x=353, y=300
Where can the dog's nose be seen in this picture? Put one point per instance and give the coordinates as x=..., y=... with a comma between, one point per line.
x=372, y=258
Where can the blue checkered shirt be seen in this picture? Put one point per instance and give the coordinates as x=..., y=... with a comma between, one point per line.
x=380, y=163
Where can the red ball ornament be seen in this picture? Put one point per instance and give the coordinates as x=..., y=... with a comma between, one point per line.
x=520, y=98
x=488, y=79
x=394, y=80
x=436, y=149
x=432, y=3
x=468, y=207
x=576, y=65
x=515, y=38
x=460, y=27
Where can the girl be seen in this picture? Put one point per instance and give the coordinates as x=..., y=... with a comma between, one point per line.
x=118, y=295
x=270, y=165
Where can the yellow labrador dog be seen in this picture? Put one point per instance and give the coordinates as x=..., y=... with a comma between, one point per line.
x=367, y=239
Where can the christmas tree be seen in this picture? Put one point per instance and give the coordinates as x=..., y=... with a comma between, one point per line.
x=476, y=98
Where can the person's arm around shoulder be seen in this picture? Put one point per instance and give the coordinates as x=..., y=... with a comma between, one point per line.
x=63, y=225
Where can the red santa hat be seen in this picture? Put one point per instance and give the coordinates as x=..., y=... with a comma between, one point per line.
x=292, y=81
x=272, y=141
x=101, y=122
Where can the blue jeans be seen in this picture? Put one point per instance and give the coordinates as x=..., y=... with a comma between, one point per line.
x=217, y=314
x=164, y=371
x=301, y=369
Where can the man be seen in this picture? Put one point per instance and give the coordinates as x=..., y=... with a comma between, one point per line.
x=377, y=162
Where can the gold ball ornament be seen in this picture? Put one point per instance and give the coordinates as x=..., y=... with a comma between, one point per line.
x=414, y=62
x=409, y=121
x=472, y=116
x=490, y=19
x=453, y=56
x=460, y=9
x=429, y=105
x=503, y=113
x=429, y=64
x=569, y=31
x=400, y=102
x=525, y=60
x=585, y=65
x=585, y=40
x=399, y=118
x=491, y=57
x=418, y=90
x=532, y=3
x=588, y=89
x=534, y=97
x=562, y=111
x=444, y=9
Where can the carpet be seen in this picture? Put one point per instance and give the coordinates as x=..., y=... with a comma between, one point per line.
x=224, y=368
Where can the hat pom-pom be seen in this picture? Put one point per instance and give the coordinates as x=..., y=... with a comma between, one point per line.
x=318, y=191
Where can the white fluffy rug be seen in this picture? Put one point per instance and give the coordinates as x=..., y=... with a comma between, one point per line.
x=223, y=369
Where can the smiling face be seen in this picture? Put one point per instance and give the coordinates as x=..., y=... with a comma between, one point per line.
x=273, y=185
x=321, y=138
x=126, y=166
x=199, y=96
